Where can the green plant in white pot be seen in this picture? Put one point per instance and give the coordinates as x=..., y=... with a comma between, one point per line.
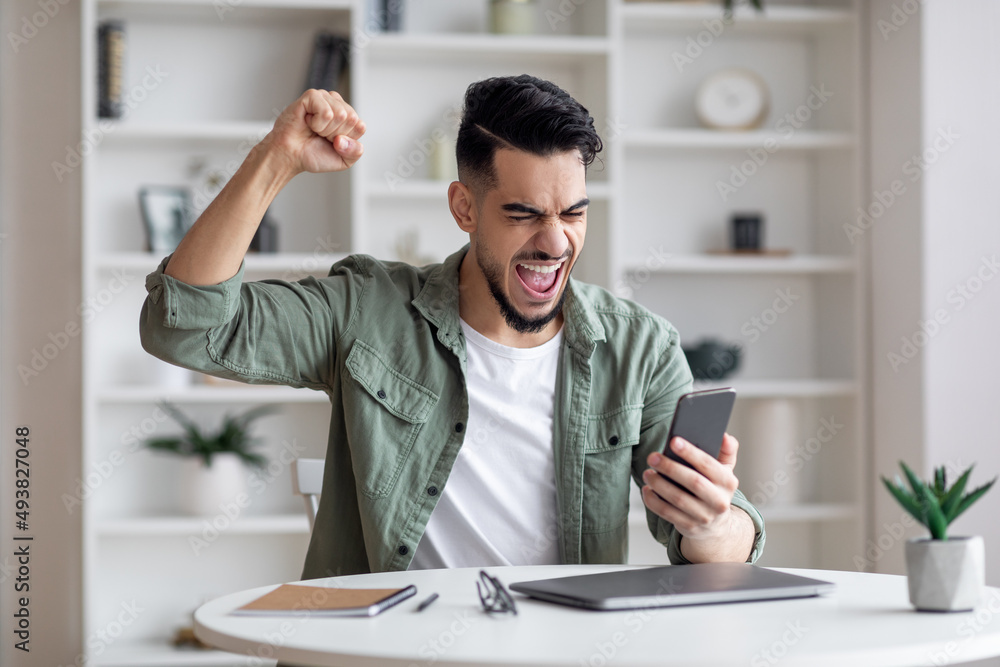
x=216, y=462
x=944, y=574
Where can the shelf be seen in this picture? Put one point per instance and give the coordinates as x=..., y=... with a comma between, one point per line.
x=117, y=131
x=784, y=388
x=486, y=45
x=722, y=140
x=125, y=395
x=802, y=512
x=807, y=388
x=174, y=526
x=278, y=263
x=152, y=653
x=693, y=16
x=218, y=11
x=257, y=4
x=438, y=190
x=789, y=513
x=754, y=264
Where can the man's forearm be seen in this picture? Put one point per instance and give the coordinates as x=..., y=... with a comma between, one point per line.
x=211, y=252
x=733, y=546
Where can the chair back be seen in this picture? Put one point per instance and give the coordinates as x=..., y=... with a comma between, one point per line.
x=307, y=481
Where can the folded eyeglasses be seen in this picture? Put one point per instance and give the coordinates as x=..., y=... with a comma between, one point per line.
x=494, y=595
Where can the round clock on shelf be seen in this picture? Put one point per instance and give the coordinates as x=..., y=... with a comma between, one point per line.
x=732, y=99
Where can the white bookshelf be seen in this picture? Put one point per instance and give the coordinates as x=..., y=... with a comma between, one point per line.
x=779, y=19
x=803, y=264
x=672, y=222
x=807, y=388
x=425, y=189
x=174, y=526
x=805, y=140
x=296, y=263
x=208, y=394
x=227, y=69
x=204, y=131
x=655, y=222
x=446, y=47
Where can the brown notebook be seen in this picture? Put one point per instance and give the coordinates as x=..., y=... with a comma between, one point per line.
x=289, y=599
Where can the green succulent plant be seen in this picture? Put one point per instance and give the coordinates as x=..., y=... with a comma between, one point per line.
x=232, y=437
x=935, y=505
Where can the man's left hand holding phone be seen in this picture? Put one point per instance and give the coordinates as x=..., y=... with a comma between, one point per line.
x=696, y=498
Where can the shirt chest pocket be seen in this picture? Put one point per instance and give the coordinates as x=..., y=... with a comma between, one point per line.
x=607, y=468
x=384, y=412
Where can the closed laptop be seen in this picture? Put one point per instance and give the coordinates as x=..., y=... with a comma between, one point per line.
x=673, y=585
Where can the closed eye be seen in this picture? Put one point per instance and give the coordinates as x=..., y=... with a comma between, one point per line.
x=528, y=212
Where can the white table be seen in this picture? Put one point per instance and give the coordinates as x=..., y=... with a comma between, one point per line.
x=867, y=621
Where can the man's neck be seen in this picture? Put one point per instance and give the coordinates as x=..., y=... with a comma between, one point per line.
x=480, y=311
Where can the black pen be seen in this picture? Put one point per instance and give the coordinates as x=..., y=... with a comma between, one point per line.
x=427, y=603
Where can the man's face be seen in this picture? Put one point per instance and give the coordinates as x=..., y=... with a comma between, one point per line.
x=530, y=233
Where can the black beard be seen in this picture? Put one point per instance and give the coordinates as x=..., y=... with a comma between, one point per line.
x=515, y=320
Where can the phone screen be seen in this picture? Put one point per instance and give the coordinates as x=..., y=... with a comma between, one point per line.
x=701, y=418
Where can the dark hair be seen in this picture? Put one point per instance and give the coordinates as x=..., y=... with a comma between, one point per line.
x=524, y=113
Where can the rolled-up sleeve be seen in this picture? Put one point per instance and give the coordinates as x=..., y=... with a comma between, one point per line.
x=265, y=332
x=672, y=536
x=177, y=305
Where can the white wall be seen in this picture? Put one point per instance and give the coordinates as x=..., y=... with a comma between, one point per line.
x=934, y=92
x=896, y=250
x=40, y=284
x=962, y=249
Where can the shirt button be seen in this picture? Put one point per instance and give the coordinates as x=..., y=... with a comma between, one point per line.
x=613, y=441
x=380, y=394
x=403, y=550
x=432, y=491
x=458, y=427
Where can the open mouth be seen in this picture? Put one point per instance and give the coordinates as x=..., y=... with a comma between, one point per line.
x=540, y=280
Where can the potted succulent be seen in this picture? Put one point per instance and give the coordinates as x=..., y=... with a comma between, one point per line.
x=944, y=573
x=216, y=462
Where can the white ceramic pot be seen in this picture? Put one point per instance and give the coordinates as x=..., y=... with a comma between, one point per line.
x=946, y=575
x=206, y=491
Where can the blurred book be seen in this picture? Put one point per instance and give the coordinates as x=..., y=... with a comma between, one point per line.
x=328, y=62
x=110, y=68
x=291, y=599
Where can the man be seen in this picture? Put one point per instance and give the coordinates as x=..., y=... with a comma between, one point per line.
x=487, y=410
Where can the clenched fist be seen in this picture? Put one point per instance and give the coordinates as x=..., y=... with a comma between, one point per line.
x=318, y=132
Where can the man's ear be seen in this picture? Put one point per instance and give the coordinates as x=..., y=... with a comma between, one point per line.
x=463, y=206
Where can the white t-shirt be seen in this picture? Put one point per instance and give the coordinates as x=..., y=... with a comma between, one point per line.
x=498, y=506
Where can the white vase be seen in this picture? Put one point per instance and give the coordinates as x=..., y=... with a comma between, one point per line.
x=770, y=435
x=208, y=490
x=946, y=575
x=514, y=17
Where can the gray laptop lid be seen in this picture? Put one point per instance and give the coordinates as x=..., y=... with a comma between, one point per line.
x=673, y=585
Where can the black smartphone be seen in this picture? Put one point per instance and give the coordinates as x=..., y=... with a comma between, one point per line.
x=701, y=418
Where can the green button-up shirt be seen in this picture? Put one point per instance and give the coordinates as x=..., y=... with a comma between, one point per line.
x=383, y=340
